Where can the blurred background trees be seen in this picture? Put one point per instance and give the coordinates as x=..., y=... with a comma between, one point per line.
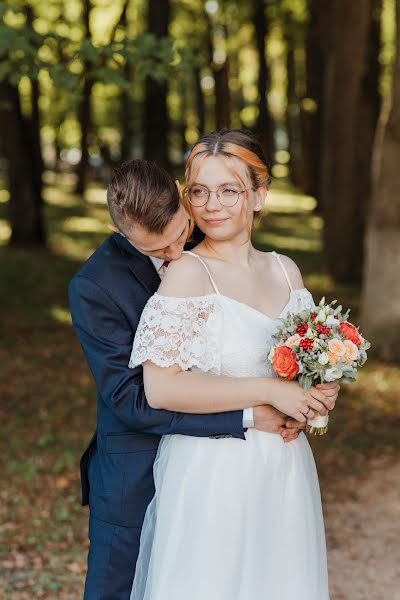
x=87, y=84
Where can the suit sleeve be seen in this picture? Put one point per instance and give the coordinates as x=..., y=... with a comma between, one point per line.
x=105, y=335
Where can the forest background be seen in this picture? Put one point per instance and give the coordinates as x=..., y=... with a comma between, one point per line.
x=88, y=84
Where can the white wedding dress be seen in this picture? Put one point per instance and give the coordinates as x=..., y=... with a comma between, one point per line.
x=231, y=519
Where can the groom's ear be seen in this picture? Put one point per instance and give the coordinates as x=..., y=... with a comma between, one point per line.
x=114, y=229
x=178, y=186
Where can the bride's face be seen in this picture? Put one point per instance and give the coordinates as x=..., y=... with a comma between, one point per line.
x=215, y=219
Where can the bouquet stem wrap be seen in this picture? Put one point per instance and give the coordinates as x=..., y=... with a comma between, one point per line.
x=318, y=425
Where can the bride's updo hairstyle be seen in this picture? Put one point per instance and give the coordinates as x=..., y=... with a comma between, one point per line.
x=229, y=144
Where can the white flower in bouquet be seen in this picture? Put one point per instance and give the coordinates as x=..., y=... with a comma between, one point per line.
x=323, y=358
x=333, y=374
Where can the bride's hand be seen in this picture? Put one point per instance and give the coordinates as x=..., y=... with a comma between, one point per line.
x=292, y=400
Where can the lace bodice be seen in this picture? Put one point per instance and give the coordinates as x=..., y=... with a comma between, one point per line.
x=212, y=333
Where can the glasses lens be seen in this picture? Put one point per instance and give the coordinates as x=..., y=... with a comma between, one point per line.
x=228, y=196
x=198, y=196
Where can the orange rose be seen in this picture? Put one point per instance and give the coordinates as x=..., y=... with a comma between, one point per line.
x=350, y=333
x=284, y=362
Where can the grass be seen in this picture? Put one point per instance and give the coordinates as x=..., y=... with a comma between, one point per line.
x=48, y=399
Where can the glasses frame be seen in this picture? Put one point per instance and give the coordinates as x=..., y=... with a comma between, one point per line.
x=217, y=193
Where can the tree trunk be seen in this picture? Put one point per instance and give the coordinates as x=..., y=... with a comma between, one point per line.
x=127, y=130
x=381, y=293
x=293, y=114
x=156, y=123
x=222, y=95
x=200, y=104
x=126, y=126
x=368, y=114
x=25, y=204
x=221, y=79
x=84, y=112
x=34, y=121
x=264, y=125
x=312, y=106
x=344, y=73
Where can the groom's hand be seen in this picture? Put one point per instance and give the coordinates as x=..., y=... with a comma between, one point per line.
x=269, y=419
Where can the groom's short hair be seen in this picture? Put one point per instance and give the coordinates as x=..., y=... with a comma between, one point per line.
x=142, y=192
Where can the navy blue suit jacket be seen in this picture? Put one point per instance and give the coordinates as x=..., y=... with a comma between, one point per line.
x=107, y=297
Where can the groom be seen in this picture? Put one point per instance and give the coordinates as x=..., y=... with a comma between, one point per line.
x=107, y=297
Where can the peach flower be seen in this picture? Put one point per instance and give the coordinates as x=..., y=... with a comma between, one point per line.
x=294, y=340
x=333, y=359
x=351, y=351
x=337, y=348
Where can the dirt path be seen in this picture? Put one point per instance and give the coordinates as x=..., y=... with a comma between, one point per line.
x=363, y=536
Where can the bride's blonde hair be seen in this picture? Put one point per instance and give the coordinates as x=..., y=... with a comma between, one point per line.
x=229, y=144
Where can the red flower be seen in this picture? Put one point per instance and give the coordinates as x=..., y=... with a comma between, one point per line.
x=313, y=316
x=307, y=344
x=350, y=333
x=302, y=329
x=284, y=362
x=323, y=330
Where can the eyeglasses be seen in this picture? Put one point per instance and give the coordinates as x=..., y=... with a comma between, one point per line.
x=199, y=195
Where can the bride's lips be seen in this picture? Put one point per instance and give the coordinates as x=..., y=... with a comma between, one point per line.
x=214, y=221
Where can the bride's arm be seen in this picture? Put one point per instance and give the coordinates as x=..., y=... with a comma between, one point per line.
x=172, y=388
x=183, y=391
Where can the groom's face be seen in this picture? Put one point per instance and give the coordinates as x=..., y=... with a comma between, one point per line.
x=167, y=245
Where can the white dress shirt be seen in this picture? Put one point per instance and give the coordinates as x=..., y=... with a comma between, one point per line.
x=248, y=415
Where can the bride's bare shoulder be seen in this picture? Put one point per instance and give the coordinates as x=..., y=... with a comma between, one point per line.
x=184, y=278
x=291, y=269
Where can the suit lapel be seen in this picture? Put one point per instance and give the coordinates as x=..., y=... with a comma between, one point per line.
x=146, y=274
x=140, y=265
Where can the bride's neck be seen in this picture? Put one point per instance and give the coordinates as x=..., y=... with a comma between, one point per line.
x=238, y=252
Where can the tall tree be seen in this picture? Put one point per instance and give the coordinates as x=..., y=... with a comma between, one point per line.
x=156, y=123
x=313, y=105
x=381, y=291
x=220, y=69
x=34, y=122
x=367, y=119
x=199, y=100
x=25, y=188
x=345, y=69
x=20, y=129
x=84, y=110
x=293, y=116
x=126, y=99
x=264, y=125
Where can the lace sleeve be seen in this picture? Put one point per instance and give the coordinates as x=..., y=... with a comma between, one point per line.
x=305, y=300
x=178, y=331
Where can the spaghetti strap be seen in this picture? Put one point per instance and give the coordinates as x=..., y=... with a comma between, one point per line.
x=216, y=290
x=283, y=269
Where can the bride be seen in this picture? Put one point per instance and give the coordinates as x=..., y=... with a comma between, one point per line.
x=231, y=519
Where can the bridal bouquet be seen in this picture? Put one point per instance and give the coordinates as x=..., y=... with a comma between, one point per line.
x=318, y=346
